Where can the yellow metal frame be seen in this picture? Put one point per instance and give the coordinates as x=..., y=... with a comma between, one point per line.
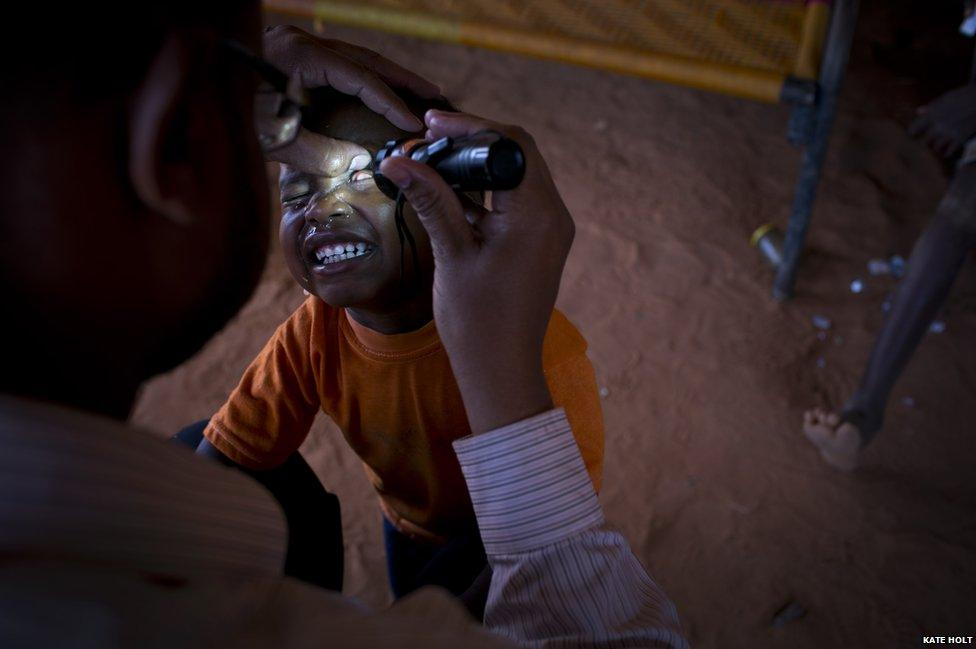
x=761, y=85
x=815, y=21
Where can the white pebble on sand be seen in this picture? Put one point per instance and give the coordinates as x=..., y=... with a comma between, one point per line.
x=821, y=322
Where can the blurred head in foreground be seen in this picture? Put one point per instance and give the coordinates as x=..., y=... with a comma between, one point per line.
x=135, y=209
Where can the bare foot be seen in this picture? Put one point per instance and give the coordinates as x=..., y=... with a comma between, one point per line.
x=839, y=443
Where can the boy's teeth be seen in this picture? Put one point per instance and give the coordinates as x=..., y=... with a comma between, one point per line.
x=341, y=252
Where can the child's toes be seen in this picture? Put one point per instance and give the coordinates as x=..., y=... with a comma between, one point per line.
x=816, y=433
x=820, y=417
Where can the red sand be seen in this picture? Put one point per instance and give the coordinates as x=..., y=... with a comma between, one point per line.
x=707, y=473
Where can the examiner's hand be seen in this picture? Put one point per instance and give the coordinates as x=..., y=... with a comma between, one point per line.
x=496, y=274
x=350, y=69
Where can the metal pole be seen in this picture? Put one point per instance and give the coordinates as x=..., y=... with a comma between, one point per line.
x=972, y=69
x=838, y=47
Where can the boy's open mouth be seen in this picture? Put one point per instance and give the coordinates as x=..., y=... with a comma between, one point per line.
x=337, y=250
x=343, y=251
x=333, y=252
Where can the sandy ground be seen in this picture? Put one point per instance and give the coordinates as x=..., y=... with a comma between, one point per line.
x=707, y=473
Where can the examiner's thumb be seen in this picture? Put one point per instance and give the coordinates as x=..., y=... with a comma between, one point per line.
x=433, y=200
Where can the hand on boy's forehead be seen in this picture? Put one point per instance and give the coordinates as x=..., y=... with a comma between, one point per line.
x=320, y=155
x=340, y=135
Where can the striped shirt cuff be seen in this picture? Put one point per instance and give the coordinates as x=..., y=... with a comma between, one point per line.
x=528, y=484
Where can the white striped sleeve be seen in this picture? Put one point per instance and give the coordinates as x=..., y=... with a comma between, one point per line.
x=560, y=577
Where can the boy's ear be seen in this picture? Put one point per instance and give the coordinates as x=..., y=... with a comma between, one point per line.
x=160, y=167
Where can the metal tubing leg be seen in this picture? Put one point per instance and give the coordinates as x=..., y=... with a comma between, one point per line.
x=839, y=38
x=972, y=68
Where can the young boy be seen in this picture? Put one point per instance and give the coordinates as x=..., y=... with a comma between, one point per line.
x=363, y=349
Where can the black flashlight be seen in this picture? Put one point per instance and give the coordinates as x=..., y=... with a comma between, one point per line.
x=483, y=161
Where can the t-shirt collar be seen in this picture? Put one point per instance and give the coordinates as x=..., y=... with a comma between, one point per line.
x=420, y=340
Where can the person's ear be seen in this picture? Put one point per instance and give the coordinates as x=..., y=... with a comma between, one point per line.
x=159, y=165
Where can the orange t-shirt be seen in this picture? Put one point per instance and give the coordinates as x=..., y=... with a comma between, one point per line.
x=396, y=401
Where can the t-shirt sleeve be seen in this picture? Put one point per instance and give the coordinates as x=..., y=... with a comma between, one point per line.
x=269, y=413
x=572, y=383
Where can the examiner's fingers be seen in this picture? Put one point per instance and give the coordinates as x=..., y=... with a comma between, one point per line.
x=474, y=213
x=349, y=77
x=442, y=123
x=317, y=63
x=394, y=74
x=435, y=202
x=320, y=155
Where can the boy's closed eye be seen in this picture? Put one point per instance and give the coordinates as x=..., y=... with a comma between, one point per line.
x=297, y=187
x=293, y=192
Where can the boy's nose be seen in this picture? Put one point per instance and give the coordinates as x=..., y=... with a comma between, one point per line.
x=327, y=208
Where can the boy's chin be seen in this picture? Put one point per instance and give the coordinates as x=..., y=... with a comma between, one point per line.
x=339, y=297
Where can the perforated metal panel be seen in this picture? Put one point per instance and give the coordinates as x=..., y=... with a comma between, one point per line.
x=745, y=47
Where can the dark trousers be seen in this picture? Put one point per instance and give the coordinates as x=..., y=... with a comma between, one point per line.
x=460, y=566
x=315, y=550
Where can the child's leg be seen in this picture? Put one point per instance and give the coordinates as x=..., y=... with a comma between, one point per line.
x=476, y=596
x=192, y=435
x=405, y=559
x=932, y=268
x=455, y=566
x=315, y=548
x=462, y=567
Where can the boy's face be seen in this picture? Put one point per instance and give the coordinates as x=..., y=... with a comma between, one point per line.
x=338, y=230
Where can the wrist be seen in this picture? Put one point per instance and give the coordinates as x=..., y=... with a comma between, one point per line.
x=497, y=394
